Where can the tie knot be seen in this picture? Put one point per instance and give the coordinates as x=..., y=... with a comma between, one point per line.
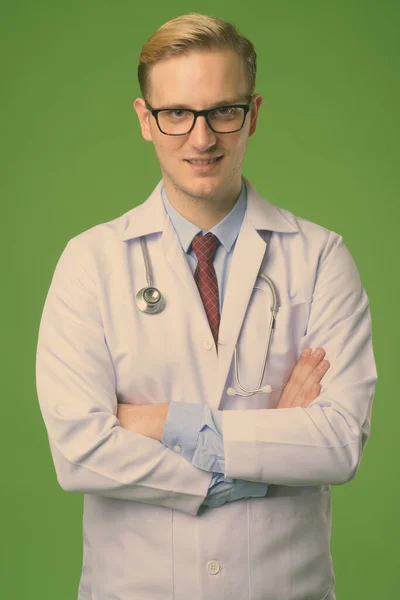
x=204, y=246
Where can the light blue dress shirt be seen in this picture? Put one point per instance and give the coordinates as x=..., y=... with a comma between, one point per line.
x=194, y=427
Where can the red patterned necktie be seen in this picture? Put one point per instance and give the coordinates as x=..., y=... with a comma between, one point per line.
x=204, y=247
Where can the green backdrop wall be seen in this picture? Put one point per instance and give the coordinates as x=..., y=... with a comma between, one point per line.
x=72, y=156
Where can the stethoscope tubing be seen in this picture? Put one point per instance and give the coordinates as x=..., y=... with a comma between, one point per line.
x=151, y=301
x=274, y=310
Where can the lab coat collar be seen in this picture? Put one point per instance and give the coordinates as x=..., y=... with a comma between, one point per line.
x=151, y=217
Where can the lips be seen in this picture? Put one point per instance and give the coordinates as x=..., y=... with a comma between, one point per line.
x=204, y=159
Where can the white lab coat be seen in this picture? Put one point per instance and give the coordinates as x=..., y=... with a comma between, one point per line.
x=145, y=535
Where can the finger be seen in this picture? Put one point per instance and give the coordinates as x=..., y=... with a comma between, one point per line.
x=307, y=393
x=315, y=377
x=314, y=392
x=304, y=398
x=305, y=367
x=293, y=383
x=317, y=374
x=302, y=371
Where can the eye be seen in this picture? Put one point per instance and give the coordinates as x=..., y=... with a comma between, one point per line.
x=226, y=109
x=176, y=113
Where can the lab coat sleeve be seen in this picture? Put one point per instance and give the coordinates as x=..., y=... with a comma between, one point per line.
x=324, y=443
x=76, y=388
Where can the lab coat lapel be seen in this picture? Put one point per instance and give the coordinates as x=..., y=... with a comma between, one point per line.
x=151, y=217
x=246, y=262
x=245, y=265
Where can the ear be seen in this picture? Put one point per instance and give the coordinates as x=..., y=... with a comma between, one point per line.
x=255, y=106
x=144, y=117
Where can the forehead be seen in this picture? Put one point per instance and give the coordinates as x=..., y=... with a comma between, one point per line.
x=199, y=79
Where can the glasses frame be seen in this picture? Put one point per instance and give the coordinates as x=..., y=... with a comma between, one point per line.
x=201, y=113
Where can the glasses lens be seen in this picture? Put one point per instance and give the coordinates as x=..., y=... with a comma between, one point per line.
x=226, y=119
x=223, y=120
x=176, y=121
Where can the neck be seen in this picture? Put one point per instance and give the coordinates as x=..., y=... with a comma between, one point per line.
x=203, y=212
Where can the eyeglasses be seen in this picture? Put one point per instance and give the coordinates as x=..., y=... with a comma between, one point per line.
x=180, y=121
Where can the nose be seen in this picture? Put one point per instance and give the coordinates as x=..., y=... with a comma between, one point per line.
x=201, y=136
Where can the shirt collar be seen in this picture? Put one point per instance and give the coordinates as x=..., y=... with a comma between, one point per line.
x=226, y=230
x=152, y=217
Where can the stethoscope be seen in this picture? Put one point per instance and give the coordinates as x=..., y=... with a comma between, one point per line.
x=151, y=301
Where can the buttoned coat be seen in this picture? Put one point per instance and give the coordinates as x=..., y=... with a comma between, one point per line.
x=145, y=534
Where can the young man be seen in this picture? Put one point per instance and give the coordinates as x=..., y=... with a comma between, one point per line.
x=192, y=490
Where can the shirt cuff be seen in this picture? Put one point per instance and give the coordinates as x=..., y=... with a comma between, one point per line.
x=247, y=489
x=181, y=430
x=229, y=490
x=218, y=478
x=219, y=494
x=209, y=452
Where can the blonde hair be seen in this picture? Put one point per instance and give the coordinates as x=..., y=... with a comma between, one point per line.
x=194, y=32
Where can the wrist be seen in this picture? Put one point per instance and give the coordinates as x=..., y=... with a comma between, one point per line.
x=147, y=419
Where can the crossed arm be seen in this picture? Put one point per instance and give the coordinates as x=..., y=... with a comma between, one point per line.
x=93, y=453
x=301, y=389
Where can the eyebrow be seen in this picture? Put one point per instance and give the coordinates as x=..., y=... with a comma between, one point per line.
x=228, y=101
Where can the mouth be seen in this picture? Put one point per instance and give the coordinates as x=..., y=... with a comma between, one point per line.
x=204, y=166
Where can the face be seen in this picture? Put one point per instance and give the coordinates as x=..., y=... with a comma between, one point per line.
x=199, y=81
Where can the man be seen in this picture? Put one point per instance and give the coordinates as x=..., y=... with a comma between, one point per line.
x=191, y=491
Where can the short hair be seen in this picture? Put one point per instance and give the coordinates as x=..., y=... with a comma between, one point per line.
x=194, y=32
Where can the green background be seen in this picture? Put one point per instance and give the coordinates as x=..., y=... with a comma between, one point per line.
x=72, y=156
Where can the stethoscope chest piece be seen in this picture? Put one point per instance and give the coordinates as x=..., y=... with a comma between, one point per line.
x=150, y=300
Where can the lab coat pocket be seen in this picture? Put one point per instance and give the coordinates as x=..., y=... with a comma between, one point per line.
x=290, y=530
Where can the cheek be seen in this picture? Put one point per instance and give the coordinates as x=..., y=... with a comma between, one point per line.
x=238, y=146
x=167, y=151
x=237, y=154
x=163, y=153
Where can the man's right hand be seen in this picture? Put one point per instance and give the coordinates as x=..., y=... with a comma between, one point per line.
x=303, y=386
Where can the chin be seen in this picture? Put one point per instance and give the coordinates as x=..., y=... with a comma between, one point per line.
x=195, y=185
x=202, y=188
x=204, y=181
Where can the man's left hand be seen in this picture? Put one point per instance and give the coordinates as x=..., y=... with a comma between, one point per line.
x=146, y=419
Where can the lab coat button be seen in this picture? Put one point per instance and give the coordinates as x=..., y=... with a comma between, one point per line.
x=208, y=343
x=177, y=448
x=213, y=567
